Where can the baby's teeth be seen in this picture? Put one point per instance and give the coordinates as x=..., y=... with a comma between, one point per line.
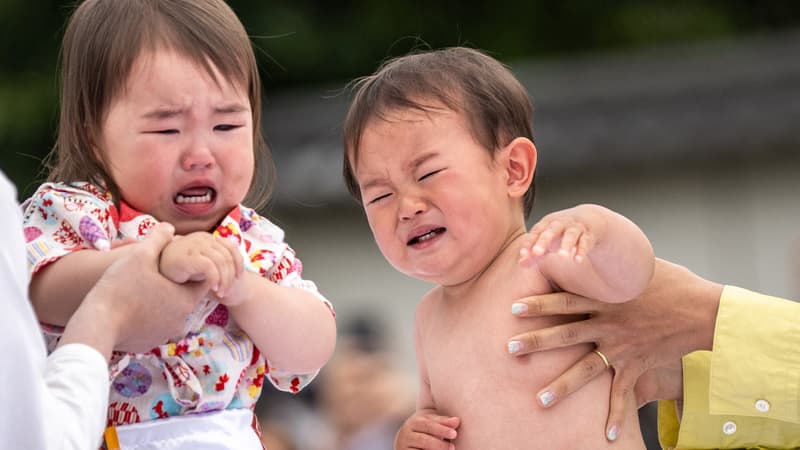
x=193, y=199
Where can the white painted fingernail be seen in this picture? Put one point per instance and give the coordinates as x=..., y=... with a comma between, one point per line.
x=514, y=347
x=546, y=397
x=612, y=433
x=518, y=308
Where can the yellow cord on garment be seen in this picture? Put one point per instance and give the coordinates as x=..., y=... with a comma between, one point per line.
x=112, y=441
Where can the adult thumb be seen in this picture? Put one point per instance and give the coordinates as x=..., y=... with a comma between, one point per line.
x=158, y=238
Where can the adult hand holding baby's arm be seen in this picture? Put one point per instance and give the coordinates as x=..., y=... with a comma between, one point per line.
x=593, y=252
x=201, y=256
x=426, y=430
x=137, y=315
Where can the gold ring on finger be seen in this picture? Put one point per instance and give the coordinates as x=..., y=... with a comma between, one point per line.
x=603, y=357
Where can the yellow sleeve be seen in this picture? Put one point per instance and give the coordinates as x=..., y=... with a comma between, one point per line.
x=755, y=366
x=745, y=393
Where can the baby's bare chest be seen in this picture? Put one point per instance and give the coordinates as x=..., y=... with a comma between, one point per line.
x=465, y=343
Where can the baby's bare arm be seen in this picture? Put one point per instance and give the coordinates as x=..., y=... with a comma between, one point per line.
x=592, y=251
x=290, y=325
x=425, y=429
x=58, y=289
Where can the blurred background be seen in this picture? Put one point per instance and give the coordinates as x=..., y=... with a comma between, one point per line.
x=681, y=115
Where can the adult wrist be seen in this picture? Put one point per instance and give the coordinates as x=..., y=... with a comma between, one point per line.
x=709, y=307
x=92, y=324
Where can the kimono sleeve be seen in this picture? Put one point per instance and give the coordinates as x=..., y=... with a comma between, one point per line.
x=271, y=257
x=60, y=219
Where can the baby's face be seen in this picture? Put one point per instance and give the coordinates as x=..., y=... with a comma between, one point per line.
x=178, y=144
x=435, y=199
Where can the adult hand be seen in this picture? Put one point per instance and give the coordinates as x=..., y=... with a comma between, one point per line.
x=133, y=307
x=643, y=339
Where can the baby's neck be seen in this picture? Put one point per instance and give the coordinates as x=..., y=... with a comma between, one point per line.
x=504, y=260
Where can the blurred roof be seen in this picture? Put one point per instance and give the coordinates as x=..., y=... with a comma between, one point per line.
x=659, y=107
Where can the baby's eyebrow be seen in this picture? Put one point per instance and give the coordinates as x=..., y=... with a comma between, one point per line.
x=421, y=159
x=411, y=165
x=232, y=108
x=372, y=183
x=168, y=112
x=163, y=113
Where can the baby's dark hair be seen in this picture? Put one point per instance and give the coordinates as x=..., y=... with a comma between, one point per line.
x=464, y=80
x=101, y=43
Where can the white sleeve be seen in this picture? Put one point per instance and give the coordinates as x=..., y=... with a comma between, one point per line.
x=76, y=402
x=58, y=402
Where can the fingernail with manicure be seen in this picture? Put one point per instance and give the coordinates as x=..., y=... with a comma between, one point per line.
x=612, y=433
x=518, y=308
x=514, y=347
x=546, y=397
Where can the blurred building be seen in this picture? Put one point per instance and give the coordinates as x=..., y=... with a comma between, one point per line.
x=698, y=144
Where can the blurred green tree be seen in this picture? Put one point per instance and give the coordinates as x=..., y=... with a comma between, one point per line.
x=311, y=41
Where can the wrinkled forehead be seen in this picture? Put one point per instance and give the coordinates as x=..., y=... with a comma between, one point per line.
x=382, y=114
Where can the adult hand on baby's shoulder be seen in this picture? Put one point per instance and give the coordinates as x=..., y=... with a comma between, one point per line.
x=643, y=340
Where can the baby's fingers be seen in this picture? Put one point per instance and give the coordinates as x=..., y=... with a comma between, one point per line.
x=427, y=432
x=233, y=249
x=224, y=264
x=421, y=441
x=204, y=269
x=585, y=244
x=569, y=241
x=553, y=230
x=526, y=248
x=440, y=427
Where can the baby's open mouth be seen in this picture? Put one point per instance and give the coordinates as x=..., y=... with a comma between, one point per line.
x=425, y=236
x=195, y=195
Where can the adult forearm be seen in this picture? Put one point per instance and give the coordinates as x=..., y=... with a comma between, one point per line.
x=58, y=289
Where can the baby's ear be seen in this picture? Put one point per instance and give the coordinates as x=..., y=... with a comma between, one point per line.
x=520, y=165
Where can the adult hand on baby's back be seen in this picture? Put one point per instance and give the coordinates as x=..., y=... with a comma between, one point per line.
x=154, y=307
x=643, y=339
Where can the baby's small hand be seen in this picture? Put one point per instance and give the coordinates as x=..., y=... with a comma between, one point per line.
x=202, y=257
x=575, y=235
x=427, y=431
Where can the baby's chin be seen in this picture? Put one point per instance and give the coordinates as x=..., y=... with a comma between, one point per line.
x=428, y=276
x=191, y=225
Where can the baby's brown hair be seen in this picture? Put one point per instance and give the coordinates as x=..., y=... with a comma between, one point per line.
x=102, y=41
x=465, y=80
